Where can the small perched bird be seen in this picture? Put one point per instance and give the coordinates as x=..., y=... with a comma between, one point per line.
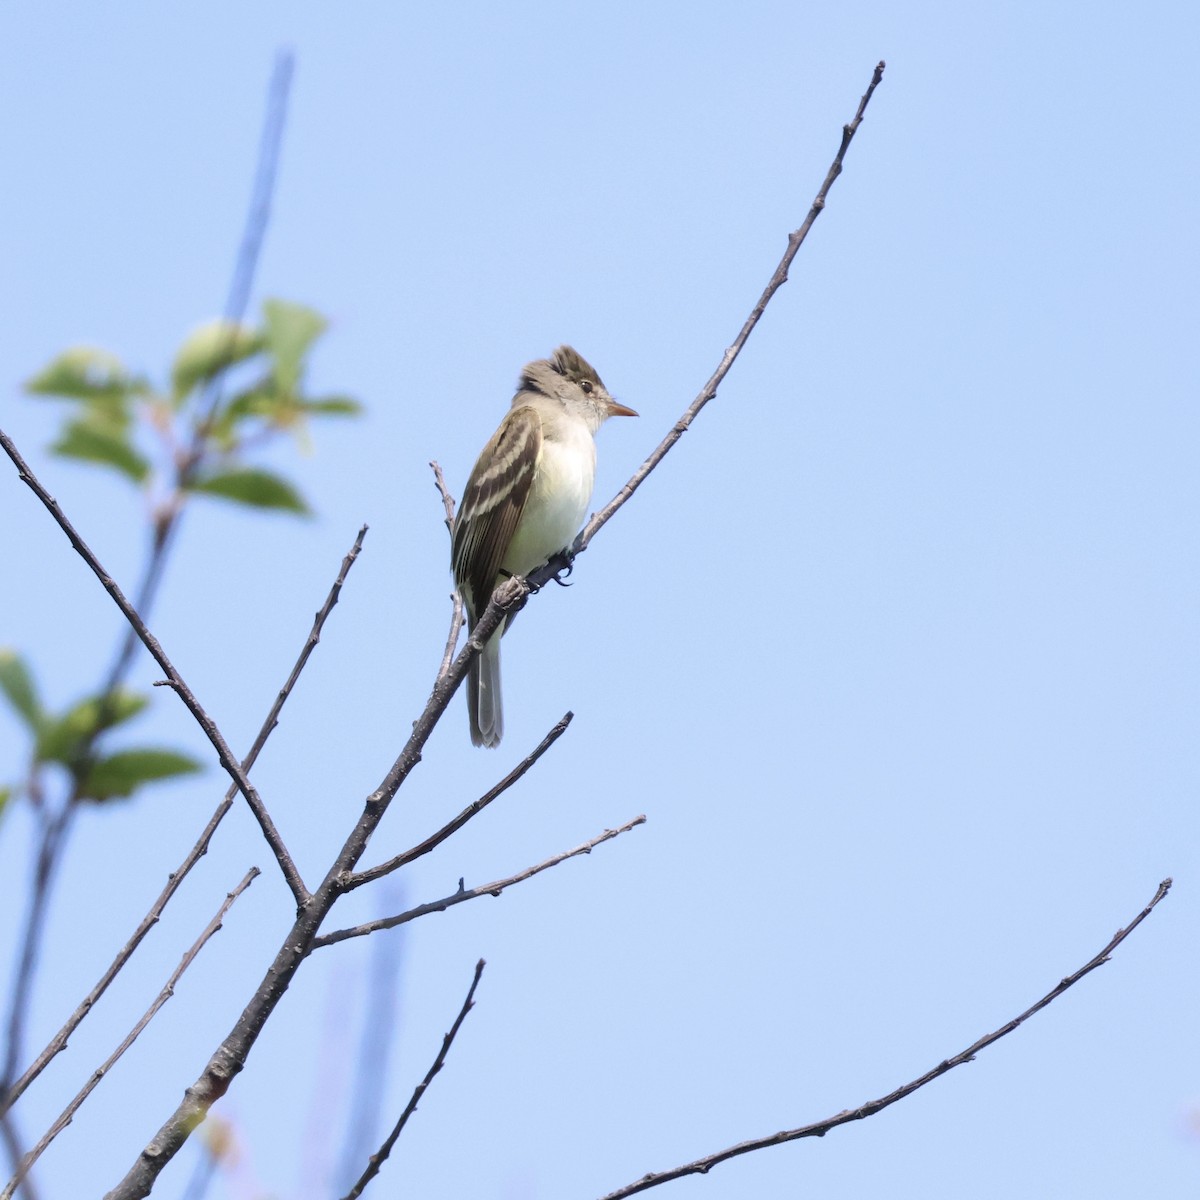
x=525, y=501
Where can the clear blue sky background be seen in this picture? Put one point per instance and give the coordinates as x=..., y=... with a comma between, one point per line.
x=897, y=651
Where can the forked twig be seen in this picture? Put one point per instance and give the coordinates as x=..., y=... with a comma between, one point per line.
x=473, y=809
x=377, y=1159
x=701, y=1166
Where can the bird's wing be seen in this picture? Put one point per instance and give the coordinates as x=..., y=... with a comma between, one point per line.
x=492, y=505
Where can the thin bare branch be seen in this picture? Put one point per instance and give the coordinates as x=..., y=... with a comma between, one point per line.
x=168, y=990
x=777, y=280
x=447, y=499
x=464, y=894
x=456, y=615
x=702, y=1166
x=58, y=1043
x=451, y=827
x=174, y=679
x=377, y=1160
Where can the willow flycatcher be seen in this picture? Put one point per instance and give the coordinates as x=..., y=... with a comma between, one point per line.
x=525, y=501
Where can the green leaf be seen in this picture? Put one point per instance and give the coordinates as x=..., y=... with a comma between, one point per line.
x=93, y=441
x=16, y=681
x=63, y=739
x=253, y=486
x=6, y=794
x=262, y=401
x=332, y=406
x=290, y=329
x=121, y=774
x=86, y=373
x=210, y=349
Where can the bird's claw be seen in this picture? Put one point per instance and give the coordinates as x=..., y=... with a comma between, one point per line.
x=568, y=566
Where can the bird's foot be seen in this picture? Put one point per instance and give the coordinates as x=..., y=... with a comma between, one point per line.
x=563, y=564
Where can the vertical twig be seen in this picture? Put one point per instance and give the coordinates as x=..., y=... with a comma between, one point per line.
x=456, y=614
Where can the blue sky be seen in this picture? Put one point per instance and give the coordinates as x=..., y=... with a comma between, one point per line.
x=897, y=651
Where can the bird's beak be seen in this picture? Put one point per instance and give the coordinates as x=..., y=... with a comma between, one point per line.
x=619, y=410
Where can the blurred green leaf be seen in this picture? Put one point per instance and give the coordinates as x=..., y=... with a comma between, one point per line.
x=6, y=794
x=262, y=401
x=86, y=373
x=121, y=774
x=290, y=329
x=95, y=442
x=16, y=681
x=210, y=349
x=332, y=406
x=253, y=486
x=63, y=738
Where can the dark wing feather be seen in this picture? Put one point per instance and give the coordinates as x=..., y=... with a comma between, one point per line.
x=492, y=505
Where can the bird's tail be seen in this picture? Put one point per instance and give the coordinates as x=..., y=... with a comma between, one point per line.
x=483, y=696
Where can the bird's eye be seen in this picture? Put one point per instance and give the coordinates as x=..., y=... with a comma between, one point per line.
x=587, y=386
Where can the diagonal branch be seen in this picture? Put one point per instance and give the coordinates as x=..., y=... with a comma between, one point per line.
x=702, y=1166
x=777, y=280
x=168, y=990
x=451, y=827
x=463, y=894
x=377, y=1160
x=174, y=679
x=59, y=1042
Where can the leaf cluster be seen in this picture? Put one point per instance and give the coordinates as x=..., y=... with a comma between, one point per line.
x=68, y=739
x=203, y=435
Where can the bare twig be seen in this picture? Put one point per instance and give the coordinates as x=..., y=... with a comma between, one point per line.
x=174, y=679
x=377, y=1160
x=777, y=280
x=456, y=615
x=702, y=1166
x=439, y=481
x=59, y=1041
x=168, y=990
x=436, y=839
x=464, y=894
